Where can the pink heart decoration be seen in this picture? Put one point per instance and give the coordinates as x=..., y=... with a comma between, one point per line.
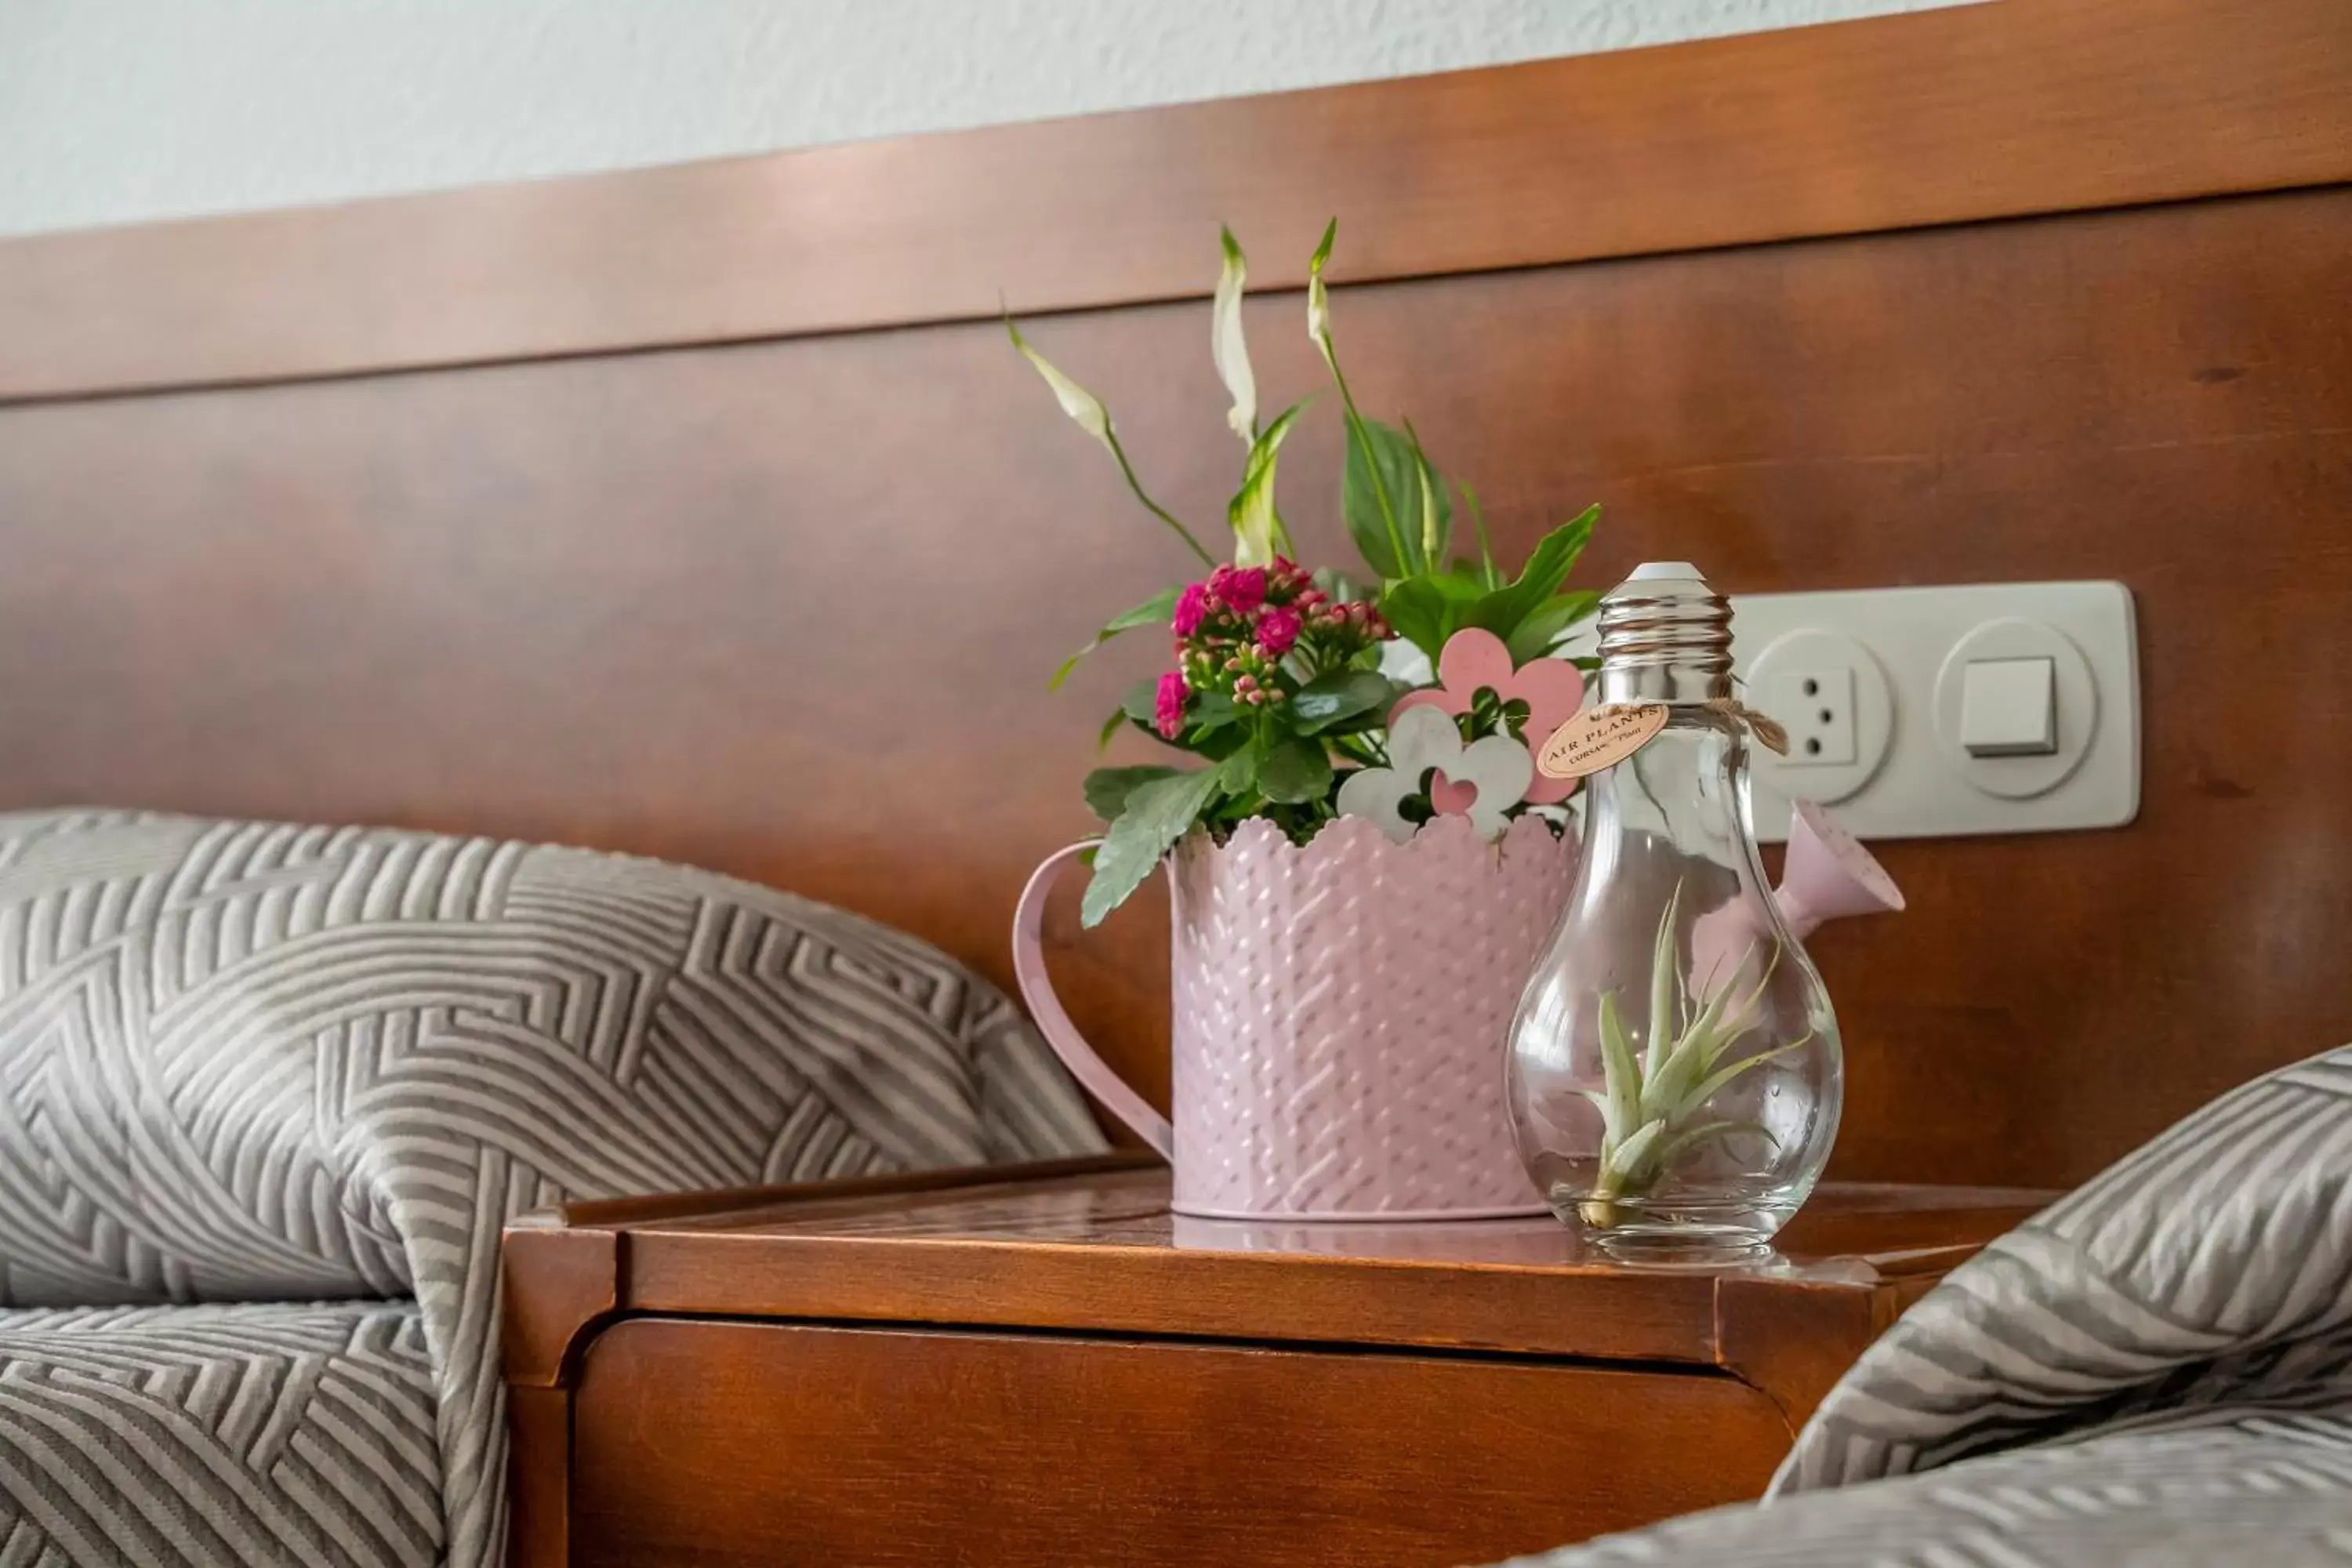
x=1450, y=799
x=1552, y=689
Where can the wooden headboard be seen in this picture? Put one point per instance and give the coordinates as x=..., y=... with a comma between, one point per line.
x=703, y=512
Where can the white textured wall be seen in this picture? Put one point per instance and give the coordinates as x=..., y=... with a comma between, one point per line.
x=119, y=110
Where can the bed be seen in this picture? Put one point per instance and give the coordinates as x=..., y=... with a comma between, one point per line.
x=271, y=1090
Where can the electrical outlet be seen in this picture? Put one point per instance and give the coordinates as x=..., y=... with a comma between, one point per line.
x=1830, y=692
x=1919, y=767
x=1816, y=707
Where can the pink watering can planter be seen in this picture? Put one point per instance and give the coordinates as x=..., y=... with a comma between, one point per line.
x=1341, y=1012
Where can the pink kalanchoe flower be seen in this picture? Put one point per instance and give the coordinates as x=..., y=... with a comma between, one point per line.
x=1277, y=629
x=1191, y=609
x=1169, y=709
x=1238, y=588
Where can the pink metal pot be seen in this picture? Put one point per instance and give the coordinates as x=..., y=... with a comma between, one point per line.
x=1341, y=1012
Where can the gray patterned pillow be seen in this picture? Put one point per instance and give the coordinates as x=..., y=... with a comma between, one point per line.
x=246, y=1060
x=2155, y=1370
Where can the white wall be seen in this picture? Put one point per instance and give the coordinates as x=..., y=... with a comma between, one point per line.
x=119, y=111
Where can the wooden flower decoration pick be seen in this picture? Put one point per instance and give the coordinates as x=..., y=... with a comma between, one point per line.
x=1481, y=780
x=1552, y=689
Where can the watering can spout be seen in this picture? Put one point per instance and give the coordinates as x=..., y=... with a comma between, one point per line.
x=1828, y=875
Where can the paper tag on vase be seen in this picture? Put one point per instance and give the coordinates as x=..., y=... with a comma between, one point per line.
x=1600, y=738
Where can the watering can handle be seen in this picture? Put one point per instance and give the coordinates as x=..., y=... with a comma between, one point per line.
x=1037, y=990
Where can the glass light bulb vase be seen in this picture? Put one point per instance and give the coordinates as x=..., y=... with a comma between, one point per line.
x=1675, y=1077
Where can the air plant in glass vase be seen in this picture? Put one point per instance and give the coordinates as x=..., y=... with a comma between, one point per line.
x=1353, y=823
x=1656, y=1101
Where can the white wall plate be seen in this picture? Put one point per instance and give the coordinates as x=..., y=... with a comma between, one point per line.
x=1910, y=776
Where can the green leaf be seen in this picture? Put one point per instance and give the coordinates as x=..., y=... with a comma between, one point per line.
x=1611, y=1133
x=1665, y=964
x=1213, y=710
x=1375, y=507
x=1391, y=511
x=1335, y=695
x=1668, y=1091
x=1619, y=1070
x=1417, y=612
x=1158, y=814
x=1156, y=610
x=1107, y=788
x=1427, y=609
x=1707, y=1087
x=1435, y=511
x=1258, y=534
x=1742, y=1015
x=1207, y=711
x=1502, y=611
x=1226, y=348
x=1489, y=574
x=1536, y=635
x=1238, y=774
x=1665, y=1092
x=1364, y=724
x=1111, y=726
x=1295, y=772
x=1628, y=1161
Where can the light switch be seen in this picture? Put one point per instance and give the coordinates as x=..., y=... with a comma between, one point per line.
x=2009, y=708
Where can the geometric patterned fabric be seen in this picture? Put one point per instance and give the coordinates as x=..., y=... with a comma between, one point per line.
x=2157, y=1369
x=257, y=1063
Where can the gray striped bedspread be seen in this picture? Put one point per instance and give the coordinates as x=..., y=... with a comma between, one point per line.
x=2158, y=1371
x=269, y=1093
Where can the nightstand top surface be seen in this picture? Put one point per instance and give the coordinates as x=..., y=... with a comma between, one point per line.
x=1090, y=1246
x=1849, y=1231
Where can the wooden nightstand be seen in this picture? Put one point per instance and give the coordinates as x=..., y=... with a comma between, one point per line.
x=1041, y=1366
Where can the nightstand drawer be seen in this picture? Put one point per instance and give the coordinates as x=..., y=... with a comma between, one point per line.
x=714, y=1442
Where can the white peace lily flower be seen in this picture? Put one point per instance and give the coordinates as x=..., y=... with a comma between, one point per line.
x=1500, y=768
x=1085, y=409
x=1258, y=534
x=1318, y=299
x=1226, y=346
x=1253, y=517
